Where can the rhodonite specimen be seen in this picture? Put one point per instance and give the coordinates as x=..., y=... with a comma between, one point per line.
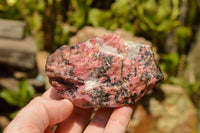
x=104, y=71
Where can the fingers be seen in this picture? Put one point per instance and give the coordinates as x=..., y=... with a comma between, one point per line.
x=38, y=114
x=76, y=122
x=105, y=120
x=119, y=120
x=99, y=121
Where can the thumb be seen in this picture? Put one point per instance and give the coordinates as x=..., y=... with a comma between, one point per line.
x=40, y=113
x=53, y=111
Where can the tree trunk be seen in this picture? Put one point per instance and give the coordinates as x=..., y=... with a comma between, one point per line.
x=64, y=8
x=49, y=25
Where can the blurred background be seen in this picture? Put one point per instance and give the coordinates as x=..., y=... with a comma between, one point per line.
x=30, y=30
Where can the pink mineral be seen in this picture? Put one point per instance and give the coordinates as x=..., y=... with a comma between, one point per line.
x=104, y=71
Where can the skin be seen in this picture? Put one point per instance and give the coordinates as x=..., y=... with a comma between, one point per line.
x=43, y=112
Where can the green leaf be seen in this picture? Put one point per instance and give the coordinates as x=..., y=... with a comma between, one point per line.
x=173, y=58
x=183, y=37
x=79, y=17
x=169, y=62
x=21, y=97
x=22, y=92
x=9, y=96
x=13, y=114
x=26, y=92
x=157, y=16
x=175, y=9
x=99, y=17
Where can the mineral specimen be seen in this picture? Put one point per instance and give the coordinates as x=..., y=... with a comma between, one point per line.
x=104, y=71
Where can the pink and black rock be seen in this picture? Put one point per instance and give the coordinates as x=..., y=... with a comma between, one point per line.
x=104, y=71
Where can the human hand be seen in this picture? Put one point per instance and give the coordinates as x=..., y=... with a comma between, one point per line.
x=43, y=112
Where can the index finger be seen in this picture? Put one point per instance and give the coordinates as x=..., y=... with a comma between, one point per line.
x=119, y=119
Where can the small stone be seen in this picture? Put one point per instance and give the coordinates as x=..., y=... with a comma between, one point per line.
x=105, y=71
x=4, y=121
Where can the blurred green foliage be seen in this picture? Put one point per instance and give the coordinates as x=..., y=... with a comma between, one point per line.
x=62, y=34
x=169, y=63
x=20, y=97
x=183, y=36
x=157, y=17
x=19, y=9
x=190, y=88
x=78, y=17
x=115, y=17
x=100, y=18
x=10, y=9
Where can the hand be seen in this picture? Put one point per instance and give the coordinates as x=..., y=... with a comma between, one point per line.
x=43, y=112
